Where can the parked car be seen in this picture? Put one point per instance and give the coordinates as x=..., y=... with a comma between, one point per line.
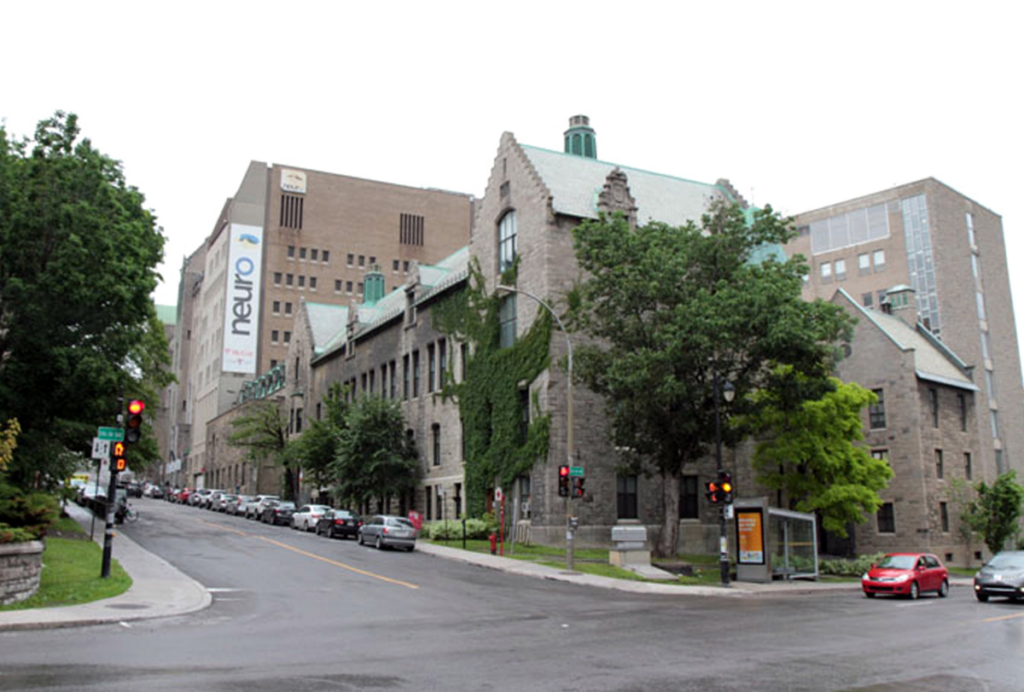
x=339, y=522
x=184, y=496
x=224, y=501
x=385, y=531
x=1003, y=576
x=238, y=506
x=254, y=510
x=198, y=496
x=212, y=499
x=278, y=512
x=307, y=516
x=154, y=491
x=906, y=574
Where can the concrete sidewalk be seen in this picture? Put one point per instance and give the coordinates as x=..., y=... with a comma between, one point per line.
x=161, y=590
x=158, y=590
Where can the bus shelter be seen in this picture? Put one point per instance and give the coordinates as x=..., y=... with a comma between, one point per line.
x=774, y=543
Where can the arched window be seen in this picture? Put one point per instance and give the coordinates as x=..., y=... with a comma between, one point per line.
x=506, y=241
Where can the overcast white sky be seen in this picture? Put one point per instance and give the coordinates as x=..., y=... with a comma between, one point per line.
x=800, y=105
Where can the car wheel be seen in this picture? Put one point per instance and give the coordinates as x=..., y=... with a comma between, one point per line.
x=305, y=526
x=359, y=539
x=944, y=589
x=410, y=549
x=378, y=544
x=915, y=591
x=981, y=596
x=869, y=594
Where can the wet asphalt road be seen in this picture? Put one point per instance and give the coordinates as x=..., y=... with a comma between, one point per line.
x=296, y=612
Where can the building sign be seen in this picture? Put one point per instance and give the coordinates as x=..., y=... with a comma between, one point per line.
x=241, y=315
x=751, y=536
x=293, y=181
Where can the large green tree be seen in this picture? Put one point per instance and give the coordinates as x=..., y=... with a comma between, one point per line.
x=809, y=453
x=665, y=308
x=262, y=430
x=78, y=252
x=375, y=458
x=317, y=448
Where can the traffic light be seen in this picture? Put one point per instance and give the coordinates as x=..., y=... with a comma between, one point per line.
x=712, y=492
x=117, y=461
x=133, y=426
x=563, y=481
x=577, y=486
x=725, y=486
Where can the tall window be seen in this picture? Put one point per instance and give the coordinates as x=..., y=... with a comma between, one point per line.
x=961, y=401
x=627, y=497
x=442, y=361
x=435, y=438
x=507, y=320
x=415, y=374
x=431, y=368
x=507, y=241
x=524, y=416
x=405, y=376
x=876, y=411
x=464, y=357
x=968, y=466
x=688, y=507
x=291, y=211
x=887, y=518
x=394, y=383
x=428, y=495
x=940, y=469
x=944, y=516
x=933, y=400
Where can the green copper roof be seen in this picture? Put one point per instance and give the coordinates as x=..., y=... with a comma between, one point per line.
x=167, y=314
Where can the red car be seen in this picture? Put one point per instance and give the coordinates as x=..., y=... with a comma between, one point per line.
x=906, y=574
x=183, y=496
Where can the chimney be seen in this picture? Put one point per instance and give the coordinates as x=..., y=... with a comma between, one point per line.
x=373, y=286
x=902, y=301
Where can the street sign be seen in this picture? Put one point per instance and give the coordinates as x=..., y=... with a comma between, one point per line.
x=100, y=448
x=576, y=471
x=498, y=495
x=114, y=434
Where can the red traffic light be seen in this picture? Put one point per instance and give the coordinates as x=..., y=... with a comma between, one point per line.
x=136, y=407
x=134, y=423
x=563, y=471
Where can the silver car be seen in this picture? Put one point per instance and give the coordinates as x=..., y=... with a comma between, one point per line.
x=307, y=516
x=386, y=531
x=254, y=510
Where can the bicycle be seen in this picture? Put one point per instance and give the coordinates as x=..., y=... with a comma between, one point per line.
x=127, y=514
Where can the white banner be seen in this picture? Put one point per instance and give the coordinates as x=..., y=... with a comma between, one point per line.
x=241, y=315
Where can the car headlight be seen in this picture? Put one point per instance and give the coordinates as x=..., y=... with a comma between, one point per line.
x=866, y=577
x=902, y=578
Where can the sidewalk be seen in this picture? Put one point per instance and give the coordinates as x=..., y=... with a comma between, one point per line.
x=158, y=590
x=161, y=590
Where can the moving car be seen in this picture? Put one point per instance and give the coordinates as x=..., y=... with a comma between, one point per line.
x=1003, y=575
x=906, y=574
x=339, y=522
x=386, y=531
x=307, y=516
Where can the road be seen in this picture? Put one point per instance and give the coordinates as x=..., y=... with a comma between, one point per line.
x=296, y=612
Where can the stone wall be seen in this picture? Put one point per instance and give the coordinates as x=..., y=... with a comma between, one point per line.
x=20, y=567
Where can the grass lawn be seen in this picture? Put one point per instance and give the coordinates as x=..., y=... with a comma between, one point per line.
x=71, y=571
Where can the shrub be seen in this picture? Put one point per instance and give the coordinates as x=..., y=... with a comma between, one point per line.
x=849, y=568
x=451, y=530
x=25, y=516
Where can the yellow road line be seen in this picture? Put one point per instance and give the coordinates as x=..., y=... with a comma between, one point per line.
x=314, y=556
x=1004, y=617
x=338, y=564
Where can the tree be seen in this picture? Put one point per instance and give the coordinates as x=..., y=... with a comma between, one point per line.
x=263, y=431
x=78, y=252
x=810, y=455
x=666, y=308
x=994, y=514
x=317, y=448
x=375, y=458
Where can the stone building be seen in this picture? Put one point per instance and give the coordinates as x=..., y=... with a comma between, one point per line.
x=287, y=234
x=951, y=251
x=924, y=424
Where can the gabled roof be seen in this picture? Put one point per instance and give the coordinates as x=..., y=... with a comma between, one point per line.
x=933, y=360
x=575, y=183
x=325, y=323
x=433, y=280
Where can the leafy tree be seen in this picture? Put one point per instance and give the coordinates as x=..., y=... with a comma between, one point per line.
x=78, y=252
x=994, y=514
x=666, y=308
x=317, y=448
x=375, y=459
x=811, y=456
x=24, y=516
x=262, y=431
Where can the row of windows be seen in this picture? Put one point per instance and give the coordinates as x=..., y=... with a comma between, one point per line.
x=435, y=497
x=876, y=411
x=315, y=254
x=275, y=337
x=290, y=280
x=627, y=494
x=887, y=517
x=384, y=380
x=867, y=262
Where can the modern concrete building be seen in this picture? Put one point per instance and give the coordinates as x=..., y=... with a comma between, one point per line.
x=951, y=251
x=290, y=234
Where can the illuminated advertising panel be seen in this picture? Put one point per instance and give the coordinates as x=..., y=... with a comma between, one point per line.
x=241, y=314
x=751, y=536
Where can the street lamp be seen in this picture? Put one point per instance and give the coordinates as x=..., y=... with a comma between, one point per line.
x=729, y=392
x=568, y=413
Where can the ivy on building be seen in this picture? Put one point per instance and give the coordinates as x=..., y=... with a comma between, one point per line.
x=497, y=447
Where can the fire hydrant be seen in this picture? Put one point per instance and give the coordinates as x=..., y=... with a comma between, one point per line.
x=494, y=544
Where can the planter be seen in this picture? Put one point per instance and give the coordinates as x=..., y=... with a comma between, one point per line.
x=20, y=567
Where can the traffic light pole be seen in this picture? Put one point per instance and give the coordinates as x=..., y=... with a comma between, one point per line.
x=108, y=534
x=723, y=538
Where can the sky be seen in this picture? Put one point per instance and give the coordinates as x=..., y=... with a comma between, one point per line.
x=799, y=104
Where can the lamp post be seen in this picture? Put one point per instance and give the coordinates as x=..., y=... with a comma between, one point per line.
x=728, y=391
x=569, y=533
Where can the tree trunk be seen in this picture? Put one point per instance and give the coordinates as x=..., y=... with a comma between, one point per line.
x=668, y=541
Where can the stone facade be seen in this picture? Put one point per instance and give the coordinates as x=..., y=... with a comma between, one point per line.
x=20, y=567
